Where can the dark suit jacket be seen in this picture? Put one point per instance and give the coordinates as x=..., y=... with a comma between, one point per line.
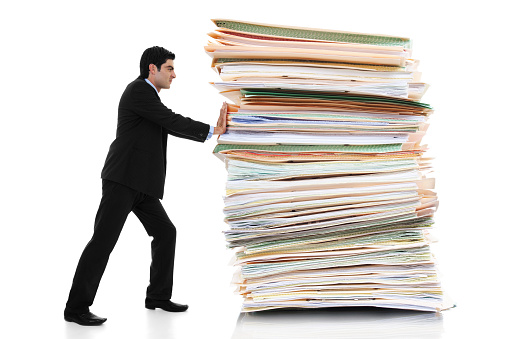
x=137, y=157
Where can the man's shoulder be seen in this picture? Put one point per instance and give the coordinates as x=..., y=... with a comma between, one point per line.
x=140, y=89
x=138, y=83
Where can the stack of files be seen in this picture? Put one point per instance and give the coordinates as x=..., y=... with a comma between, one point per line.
x=327, y=199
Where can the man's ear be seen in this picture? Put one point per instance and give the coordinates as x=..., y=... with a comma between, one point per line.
x=152, y=68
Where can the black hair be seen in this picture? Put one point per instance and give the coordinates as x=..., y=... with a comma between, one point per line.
x=154, y=55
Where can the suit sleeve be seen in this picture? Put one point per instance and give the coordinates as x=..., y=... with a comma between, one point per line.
x=175, y=134
x=147, y=104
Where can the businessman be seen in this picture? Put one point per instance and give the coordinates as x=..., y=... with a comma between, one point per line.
x=133, y=180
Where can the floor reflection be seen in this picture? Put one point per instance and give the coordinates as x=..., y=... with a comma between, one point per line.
x=346, y=322
x=75, y=331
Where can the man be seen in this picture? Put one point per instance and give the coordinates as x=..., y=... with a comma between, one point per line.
x=133, y=180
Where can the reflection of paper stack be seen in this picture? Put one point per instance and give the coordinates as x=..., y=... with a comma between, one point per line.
x=327, y=199
x=360, y=322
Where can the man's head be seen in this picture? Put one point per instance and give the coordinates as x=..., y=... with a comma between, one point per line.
x=156, y=65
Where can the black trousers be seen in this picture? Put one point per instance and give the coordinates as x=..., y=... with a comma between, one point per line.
x=116, y=203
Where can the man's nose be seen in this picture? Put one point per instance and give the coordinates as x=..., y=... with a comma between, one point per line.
x=173, y=75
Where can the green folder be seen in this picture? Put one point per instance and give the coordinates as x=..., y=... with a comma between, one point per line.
x=306, y=33
x=248, y=92
x=312, y=148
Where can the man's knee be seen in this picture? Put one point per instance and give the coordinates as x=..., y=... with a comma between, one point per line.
x=171, y=231
x=168, y=233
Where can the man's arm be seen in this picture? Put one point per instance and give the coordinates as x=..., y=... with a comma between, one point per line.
x=147, y=104
x=219, y=129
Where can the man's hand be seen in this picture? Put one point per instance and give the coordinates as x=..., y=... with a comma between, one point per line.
x=221, y=122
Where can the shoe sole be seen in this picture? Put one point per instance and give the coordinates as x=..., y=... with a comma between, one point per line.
x=81, y=323
x=154, y=307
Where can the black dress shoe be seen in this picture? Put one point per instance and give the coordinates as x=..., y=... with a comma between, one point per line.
x=85, y=319
x=166, y=305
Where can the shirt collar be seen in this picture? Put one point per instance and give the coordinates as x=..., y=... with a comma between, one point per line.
x=148, y=82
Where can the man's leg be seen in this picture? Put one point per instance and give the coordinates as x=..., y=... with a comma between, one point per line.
x=116, y=203
x=157, y=224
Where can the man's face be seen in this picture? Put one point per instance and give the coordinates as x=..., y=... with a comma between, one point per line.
x=164, y=77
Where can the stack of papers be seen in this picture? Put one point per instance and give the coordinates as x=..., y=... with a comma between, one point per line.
x=327, y=199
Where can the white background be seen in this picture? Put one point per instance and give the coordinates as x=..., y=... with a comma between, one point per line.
x=65, y=65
